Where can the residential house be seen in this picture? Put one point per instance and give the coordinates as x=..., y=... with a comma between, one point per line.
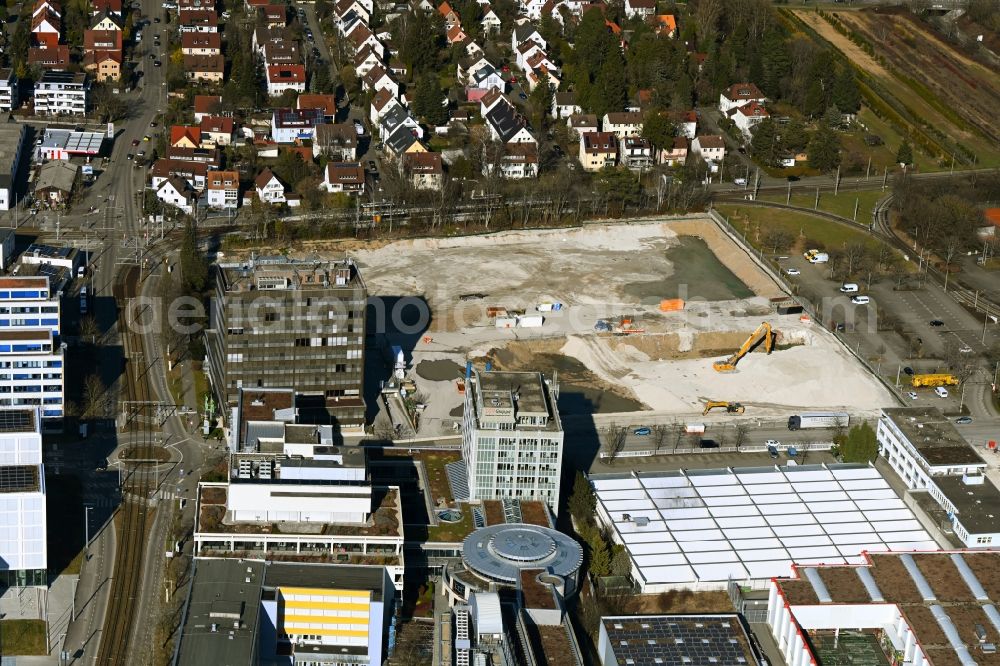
x=46, y=27
x=54, y=58
x=739, y=94
x=640, y=8
x=564, y=105
x=485, y=79
x=47, y=7
x=194, y=173
x=622, y=123
x=275, y=15
x=102, y=40
x=223, y=189
x=507, y=125
x=346, y=8
x=281, y=52
x=377, y=79
x=185, y=6
x=208, y=156
x=365, y=61
x=425, y=170
x=285, y=77
x=198, y=22
x=396, y=117
x=185, y=136
x=216, y=131
x=490, y=100
x=106, y=65
x=489, y=21
x=456, y=35
x=206, y=105
x=686, y=123
x=451, y=17
x=338, y=142
x=711, y=147
x=525, y=51
x=469, y=65
x=583, y=122
x=207, y=68
x=325, y=103
x=402, y=140
x=675, y=155
x=55, y=183
x=525, y=31
x=111, y=7
x=176, y=192
x=598, y=150
x=519, y=161
x=746, y=117
x=665, y=25
x=269, y=189
x=201, y=43
x=294, y=125
x=361, y=36
x=61, y=93
x=343, y=177
x=636, y=153
x=383, y=102
x=9, y=97
x=105, y=21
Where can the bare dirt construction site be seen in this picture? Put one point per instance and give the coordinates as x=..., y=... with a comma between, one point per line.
x=609, y=273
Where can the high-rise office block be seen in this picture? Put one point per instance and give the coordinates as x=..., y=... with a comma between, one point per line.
x=31, y=354
x=513, y=439
x=286, y=323
x=23, y=557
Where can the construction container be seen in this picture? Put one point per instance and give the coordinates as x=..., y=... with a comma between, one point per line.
x=496, y=312
x=671, y=304
x=548, y=307
x=530, y=321
x=506, y=322
x=695, y=428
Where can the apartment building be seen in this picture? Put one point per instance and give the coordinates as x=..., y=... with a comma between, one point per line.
x=61, y=93
x=11, y=152
x=512, y=439
x=8, y=90
x=23, y=556
x=223, y=189
x=283, y=322
x=598, y=150
x=31, y=356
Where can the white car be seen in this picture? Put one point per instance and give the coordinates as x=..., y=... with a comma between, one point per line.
x=772, y=442
x=860, y=300
x=911, y=395
x=792, y=271
x=965, y=349
x=941, y=391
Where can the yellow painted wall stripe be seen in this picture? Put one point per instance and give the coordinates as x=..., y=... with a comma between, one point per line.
x=363, y=594
x=326, y=632
x=325, y=619
x=326, y=605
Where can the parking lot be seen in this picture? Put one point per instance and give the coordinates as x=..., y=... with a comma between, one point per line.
x=908, y=338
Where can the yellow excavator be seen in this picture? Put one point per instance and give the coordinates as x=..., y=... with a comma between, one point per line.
x=762, y=334
x=730, y=407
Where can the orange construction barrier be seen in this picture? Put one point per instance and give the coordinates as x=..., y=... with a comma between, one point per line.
x=671, y=304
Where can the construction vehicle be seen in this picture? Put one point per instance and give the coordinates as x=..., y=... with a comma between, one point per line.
x=764, y=334
x=935, y=380
x=730, y=407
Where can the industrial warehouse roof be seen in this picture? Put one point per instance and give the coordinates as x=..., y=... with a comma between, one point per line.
x=712, y=525
x=499, y=552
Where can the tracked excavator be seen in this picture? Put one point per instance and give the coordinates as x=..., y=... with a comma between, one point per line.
x=762, y=334
x=730, y=407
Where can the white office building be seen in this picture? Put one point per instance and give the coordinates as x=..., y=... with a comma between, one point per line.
x=929, y=454
x=61, y=93
x=31, y=354
x=23, y=558
x=513, y=439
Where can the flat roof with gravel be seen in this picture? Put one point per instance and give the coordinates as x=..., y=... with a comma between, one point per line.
x=933, y=435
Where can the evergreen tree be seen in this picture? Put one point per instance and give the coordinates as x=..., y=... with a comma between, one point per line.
x=422, y=40
x=764, y=146
x=683, y=92
x=321, y=82
x=794, y=136
x=540, y=103
x=824, y=149
x=194, y=268
x=905, y=153
x=658, y=129
x=610, y=88
x=427, y=101
x=600, y=558
x=860, y=445
x=582, y=502
x=815, y=102
x=832, y=116
x=845, y=92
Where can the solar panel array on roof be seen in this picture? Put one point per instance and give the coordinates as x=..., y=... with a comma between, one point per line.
x=754, y=523
x=18, y=478
x=702, y=640
x=16, y=420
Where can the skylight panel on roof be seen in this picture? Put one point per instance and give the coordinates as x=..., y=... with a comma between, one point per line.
x=888, y=514
x=721, y=491
x=729, y=511
x=870, y=505
x=813, y=540
x=701, y=481
x=792, y=519
x=801, y=553
x=757, y=489
x=602, y=485
x=730, y=524
x=886, y=494
x=815, y=486
x=712, y=557
x=841, y=517
x=720, y=571
x=764, y=554
x=646, y=537
x=660, y=559
x=692, y=525
x=856, y=473
x=864, y=484
x=685, y=513
x=781, y=509
x=702, y=546
x=763, y=478
x=832, y=507
x=664, y=481
x=768, y=569
x=828, y=496
x=779, y=498
x=653, y=548
x=850, y=528
x=728, y=500
x=682, y=535
x=800, y=530
x=883, y=526
x=796, y=475
x=669, y=574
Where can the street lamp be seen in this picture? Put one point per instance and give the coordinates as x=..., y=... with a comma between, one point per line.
x=86, y=531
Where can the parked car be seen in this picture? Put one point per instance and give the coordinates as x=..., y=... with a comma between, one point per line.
x=908, y=370
x=371, y=165
x=157, y=63
x=912, y=395
x=963, y=420
x=135, y=142
x=708, y=444
x=772, y=451
x=522, y=96
x=965, y=349
x=359, y=128
x=936, y=322
x=941, y=391
x=860, y=300
x=641, y=432
x=129, y=157
x=792, y=271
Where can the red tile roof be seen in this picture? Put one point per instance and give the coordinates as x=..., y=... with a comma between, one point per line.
x=286, y=73
x=180, y=132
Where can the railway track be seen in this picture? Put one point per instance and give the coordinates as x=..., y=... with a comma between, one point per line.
x=135, y=514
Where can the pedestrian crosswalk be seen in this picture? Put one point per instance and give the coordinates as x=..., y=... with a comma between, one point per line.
x=165, y=494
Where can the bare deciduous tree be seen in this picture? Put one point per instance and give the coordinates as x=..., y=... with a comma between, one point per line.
x=614, y=442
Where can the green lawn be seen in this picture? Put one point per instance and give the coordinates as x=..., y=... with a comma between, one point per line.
x=755, y=222
x=885, y=155
x=841, y=204
x=22, y=637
